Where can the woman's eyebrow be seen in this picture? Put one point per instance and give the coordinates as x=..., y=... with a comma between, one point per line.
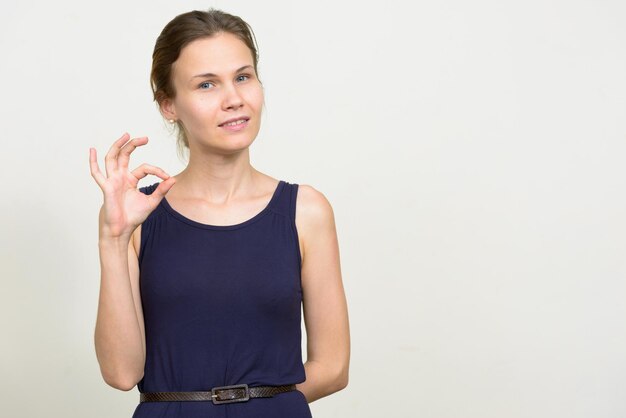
x=215, y=75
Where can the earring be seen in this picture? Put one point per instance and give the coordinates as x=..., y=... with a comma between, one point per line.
x=171, y=120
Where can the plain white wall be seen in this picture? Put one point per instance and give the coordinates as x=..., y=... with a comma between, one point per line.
x=473, y=153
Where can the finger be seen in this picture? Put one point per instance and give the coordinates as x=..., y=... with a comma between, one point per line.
x=130, y=146
x=110, y=160
x=95, y=170
x=144, y=169
x=162, y=190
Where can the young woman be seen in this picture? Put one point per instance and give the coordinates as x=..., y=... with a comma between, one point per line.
x=201, y=291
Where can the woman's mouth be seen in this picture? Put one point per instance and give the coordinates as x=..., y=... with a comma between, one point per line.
x=236, y=125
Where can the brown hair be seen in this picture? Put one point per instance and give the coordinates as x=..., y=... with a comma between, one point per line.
x=179, y=32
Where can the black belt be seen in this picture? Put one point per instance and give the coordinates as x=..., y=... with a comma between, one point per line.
x=218, y=394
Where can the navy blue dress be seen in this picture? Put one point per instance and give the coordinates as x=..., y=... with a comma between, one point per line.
x=222, y=307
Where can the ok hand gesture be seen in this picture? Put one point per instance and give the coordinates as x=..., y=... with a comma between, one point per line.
x=125, y=207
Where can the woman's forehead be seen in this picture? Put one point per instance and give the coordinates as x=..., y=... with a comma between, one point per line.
x=219, y=55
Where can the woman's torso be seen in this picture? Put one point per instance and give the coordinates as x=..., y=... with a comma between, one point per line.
x=222, y=306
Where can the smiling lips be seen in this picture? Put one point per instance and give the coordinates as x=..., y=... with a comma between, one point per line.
x=234, y=121
x=235, y=124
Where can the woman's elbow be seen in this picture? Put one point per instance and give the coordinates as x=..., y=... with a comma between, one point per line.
x=121, y=382
x=342, y=378
x=341, y=385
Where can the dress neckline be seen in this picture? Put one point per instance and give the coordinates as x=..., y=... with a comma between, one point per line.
x=166, y=205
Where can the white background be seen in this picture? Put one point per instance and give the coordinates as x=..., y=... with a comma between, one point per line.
x=473, y=152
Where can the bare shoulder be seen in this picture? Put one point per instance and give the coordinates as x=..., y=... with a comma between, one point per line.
x=314, y=214
x=312, y=205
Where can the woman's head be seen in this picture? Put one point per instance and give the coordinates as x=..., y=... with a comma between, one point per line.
x=190, y=34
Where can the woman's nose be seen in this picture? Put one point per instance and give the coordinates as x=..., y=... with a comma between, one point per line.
x=232, y=99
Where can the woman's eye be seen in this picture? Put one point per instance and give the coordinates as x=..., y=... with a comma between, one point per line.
x=243, y=75
x=202, y=85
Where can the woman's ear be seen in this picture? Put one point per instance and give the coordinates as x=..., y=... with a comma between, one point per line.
x=168, y=110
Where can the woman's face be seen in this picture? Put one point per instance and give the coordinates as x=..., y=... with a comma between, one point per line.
x=215, y=82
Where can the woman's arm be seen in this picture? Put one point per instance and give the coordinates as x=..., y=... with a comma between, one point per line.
x=119, y=334
x=324, y=302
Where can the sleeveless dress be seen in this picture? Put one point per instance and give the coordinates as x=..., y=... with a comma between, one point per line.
x=222, y=307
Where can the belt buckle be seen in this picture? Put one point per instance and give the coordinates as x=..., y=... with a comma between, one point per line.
x=229, y=394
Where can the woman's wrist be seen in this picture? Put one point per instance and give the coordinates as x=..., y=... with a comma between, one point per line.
x=108, y=238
